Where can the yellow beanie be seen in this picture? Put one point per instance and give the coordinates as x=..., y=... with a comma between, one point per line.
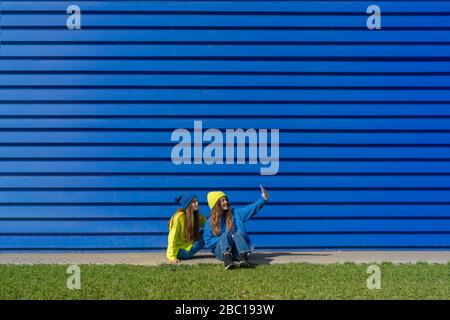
x=213, y=197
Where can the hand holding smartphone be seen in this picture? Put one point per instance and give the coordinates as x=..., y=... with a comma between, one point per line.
x=264, y=193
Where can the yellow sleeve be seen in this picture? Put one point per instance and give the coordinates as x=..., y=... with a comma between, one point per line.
x=172, y=249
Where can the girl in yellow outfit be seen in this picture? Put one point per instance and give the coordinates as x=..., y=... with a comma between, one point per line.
x=185, y=230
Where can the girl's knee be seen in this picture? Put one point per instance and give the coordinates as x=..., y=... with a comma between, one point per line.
x=184, y=255
x=226, y=235
x=240, y=234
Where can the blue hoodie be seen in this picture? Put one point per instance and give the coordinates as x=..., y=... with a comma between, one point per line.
x=240, y=217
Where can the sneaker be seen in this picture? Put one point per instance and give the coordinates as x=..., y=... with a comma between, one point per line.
x=228, y=261
x=243, y=261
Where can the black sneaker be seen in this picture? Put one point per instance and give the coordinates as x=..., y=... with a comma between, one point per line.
x=243, y=261
x=228, y=261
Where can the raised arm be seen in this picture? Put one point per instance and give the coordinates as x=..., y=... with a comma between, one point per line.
x=252, y=209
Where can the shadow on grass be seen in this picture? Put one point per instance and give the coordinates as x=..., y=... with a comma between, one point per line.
x=257, y=258
x=267, y=257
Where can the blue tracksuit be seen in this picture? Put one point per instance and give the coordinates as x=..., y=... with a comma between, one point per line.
x=242, y=241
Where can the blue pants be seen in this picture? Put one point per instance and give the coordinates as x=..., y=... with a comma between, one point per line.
x=234, y=243
x=196, y=247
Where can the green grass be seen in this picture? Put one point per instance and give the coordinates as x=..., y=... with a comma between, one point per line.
x=211, y=281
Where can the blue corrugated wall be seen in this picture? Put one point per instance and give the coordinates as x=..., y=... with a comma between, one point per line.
x=86, y=118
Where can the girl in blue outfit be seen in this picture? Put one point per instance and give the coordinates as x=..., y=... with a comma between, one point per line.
x=225, y=233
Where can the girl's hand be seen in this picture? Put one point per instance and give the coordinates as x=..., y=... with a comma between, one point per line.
x=264, y=193
x=174, y=261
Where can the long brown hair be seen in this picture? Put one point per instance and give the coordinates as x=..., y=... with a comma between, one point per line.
x=216, y=217
x=191, y=232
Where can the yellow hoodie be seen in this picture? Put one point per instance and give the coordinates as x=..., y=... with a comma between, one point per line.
x=176, y=240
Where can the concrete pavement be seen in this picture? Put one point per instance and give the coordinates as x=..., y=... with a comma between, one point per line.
x=157, y=258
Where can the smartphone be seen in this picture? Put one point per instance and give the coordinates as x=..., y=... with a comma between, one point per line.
x=262, y=189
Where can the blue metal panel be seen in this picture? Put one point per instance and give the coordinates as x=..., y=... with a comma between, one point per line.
x=86, y=118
